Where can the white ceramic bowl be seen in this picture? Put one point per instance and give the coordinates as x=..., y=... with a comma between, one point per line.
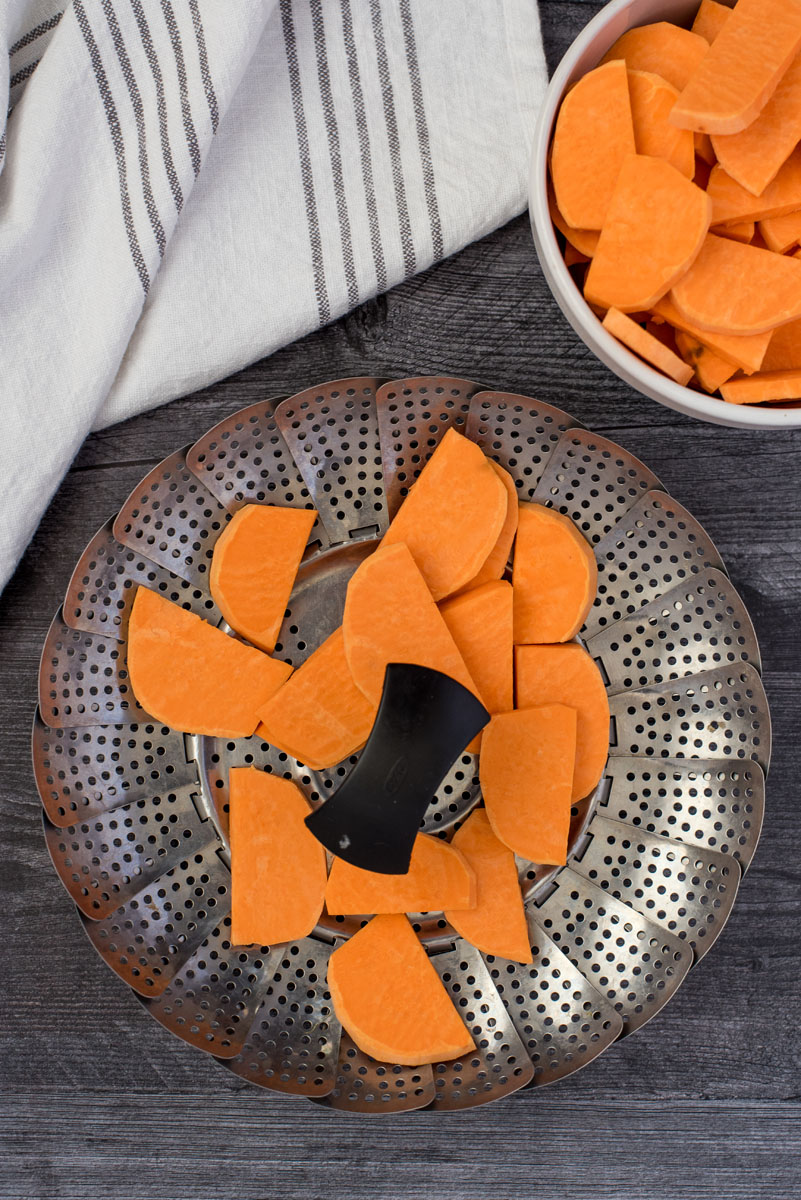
x=585, y=53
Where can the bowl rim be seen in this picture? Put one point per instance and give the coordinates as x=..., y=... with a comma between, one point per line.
x=626, y=365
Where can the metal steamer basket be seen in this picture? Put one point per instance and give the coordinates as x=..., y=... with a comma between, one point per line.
x=135, y=814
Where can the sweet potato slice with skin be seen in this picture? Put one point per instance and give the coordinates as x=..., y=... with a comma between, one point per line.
x=754, y=157
x=438, y=877
x=278, y=868
x=593, y=137
x=390, y=616
x=653, y=350
x=735, y=80
x=655, y=227
x=497, y=923
x=763, y=387
x=319, y=716
x=652, y=98
x=192, y=676
x=480, y=623
x=733, y=204
x=784, y=349
x=452, y=516
x=554, y=576
x=710, y=19
x=732, y=288
x=565, y=674
x=498, y=557
x=662, y=48
x=781, y=233
x=710, y=370
x=390, y=999
x=746, y=353
x=526, y=772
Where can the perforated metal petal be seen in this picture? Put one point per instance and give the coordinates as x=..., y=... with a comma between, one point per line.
x=365, y=1085
x=172, y=519
x=703, y=802
x=83, y=680
x=212, y=1001
x=499, y=1064
x=103, y=586
x=655, y=546
x=593, y=482
x=721, y=713
x=687, y=889
x=81, y=772
x=634, y=962
x=293, y=1043
x=413, y=415
x=332, y=434
x=109, y=857
x=563, y=1020
x=695, y=626
x=152, y=935
x=518, y=432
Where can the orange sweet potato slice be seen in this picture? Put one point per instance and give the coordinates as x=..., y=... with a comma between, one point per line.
x=498, y=557
x=566, y=674
x=710, y=19
x=593, y=136
x=278, y=868
x=646, y=346
x=705, y=150
x=763, y=387
x=438, y=877
x=497, y=923
x=253, y=569
x=583, y=241
x=746, y=353
x=784, y=348
x=480, y=623
x=390, y=999
x=781, y=233
x=452, y=516
x=526, y=772
x=390, y=616
x=733, y=288
x=710, y=369
x=574, y=258
x=739, y=233
x=732, y=203
x=755, y=156
x=736, y=78
x=554, y=576
x=655, y=227
x=319, y=716
x=189, y=675
x=652, y=98
x=662, y=48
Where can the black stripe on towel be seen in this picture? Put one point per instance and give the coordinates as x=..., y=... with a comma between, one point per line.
x=141, y=130
x=334, y=152
x=307, y=176
x=116, y=138
x=208, y=86
x=23, y=74
x=422, y=127
x=161, y=103
x=180, y=66
x=391, y=121
x=35, y=33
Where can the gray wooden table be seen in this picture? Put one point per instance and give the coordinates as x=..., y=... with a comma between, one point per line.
x=100, y=1102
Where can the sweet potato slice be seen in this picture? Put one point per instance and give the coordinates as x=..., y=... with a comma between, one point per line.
x=784, y=348
x=497, y=923
x=746, y=353
x=734, y=81
x=662, y=48
x=438, y=877
x=781, y=233
x=655, y=227
x=452, y=516
x=652, y=98
x=732, y=203
x=593, y=137
x=554, y=576
x=705, y=150
x=390, y=999
x=278, y=868
x=711, y=370
x=766, y=386
x=566, y=674
x=319, y=716
x=480, y=623
x=583, y=241
x=739, y=233
x=574, y=258
x=710, y=19
x=732, y=288
x=755, y=156
x=498, y=557
x=653, y=350
x=189, y=675
x=526, y=772
x=391, y=617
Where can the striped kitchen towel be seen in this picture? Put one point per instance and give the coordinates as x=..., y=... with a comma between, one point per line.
x=186, y=185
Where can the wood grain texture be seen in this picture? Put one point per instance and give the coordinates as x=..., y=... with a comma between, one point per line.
x=99, y=1102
